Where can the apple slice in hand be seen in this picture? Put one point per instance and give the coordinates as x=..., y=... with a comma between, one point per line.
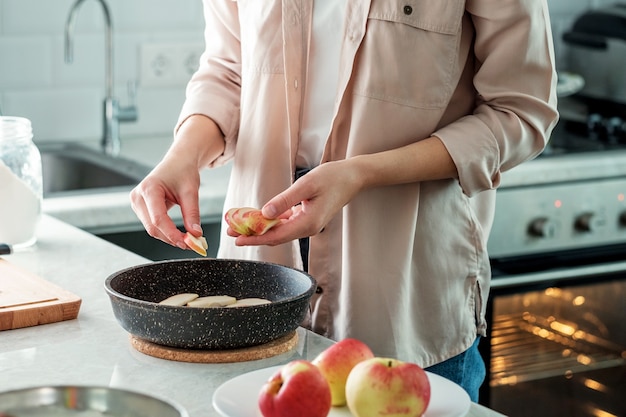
x=197, y=244
x=249, y=221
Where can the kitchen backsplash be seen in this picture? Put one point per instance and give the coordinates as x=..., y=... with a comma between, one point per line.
x=156, y=45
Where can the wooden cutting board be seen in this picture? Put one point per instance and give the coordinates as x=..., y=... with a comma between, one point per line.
x=28, y=300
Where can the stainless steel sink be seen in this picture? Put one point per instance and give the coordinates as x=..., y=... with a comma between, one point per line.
x=139, y=242
x=70, y=168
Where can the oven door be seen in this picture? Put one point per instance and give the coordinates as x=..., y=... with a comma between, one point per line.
x=556, y=344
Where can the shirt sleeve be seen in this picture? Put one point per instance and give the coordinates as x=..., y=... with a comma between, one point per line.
x=515, y=82
x=215, y=88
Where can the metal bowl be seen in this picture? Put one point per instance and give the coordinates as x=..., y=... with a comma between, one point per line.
x=67, y=401
x=135, y=294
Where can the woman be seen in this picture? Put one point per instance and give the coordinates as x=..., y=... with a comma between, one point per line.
x=404, y=115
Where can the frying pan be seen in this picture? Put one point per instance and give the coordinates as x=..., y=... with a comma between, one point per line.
x=135, y=294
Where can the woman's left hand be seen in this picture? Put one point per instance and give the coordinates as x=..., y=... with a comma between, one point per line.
x=312, y=201
x=308, y=205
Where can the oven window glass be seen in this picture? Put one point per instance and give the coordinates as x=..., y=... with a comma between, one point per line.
x=560, y=351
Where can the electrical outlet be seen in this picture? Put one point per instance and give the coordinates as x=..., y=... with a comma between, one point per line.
x=168, y=64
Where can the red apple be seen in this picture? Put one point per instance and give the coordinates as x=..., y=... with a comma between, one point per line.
x=249, y=221
x=337, y=361
x=296, y=389
x=387, y=387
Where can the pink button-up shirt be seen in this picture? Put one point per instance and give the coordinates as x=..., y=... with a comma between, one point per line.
x=403, y=268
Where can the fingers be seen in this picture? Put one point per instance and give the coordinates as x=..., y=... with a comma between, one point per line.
x=314, y=200
x=292, y=196
x=151, y=206
x=152, y=199
x=291, y=227
x=231, y=232
x=190, y=209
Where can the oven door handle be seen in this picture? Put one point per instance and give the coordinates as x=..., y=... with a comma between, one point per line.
x=562, y=274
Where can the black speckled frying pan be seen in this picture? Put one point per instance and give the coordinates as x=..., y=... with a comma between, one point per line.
x=135, y=294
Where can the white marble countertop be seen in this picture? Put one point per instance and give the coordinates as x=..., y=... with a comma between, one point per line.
x=94, y=350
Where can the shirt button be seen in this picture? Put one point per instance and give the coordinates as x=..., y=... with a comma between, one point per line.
x=408, y=10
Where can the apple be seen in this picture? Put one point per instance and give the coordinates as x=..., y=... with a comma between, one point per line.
x=296, y=389
x=252, y=301
x=249, y=221
x=197, y=244
x=387, y=387
x=337, y=361
x=179, y=300
x=212, y=301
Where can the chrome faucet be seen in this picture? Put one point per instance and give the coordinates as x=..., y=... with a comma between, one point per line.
x=113, y=113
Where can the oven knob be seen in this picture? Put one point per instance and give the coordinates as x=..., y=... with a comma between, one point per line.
x=542, y=227
x=588, y=222
x=616, y=130
x=595, y=126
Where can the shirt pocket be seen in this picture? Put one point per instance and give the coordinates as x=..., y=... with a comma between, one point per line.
x=409, y=53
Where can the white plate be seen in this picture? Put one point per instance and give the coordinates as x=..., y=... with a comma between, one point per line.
x=238, y=397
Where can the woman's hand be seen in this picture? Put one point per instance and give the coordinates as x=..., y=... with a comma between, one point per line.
x=311, y=202
x=171, y=182
x=308, y=205
x=176, y=180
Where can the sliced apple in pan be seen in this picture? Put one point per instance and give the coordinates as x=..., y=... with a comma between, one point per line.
x=212, y=301
x=197, y=244
x=245, y=302
x=179, y=299
x=249, y=221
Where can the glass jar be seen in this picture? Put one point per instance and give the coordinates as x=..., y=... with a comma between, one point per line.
x=21, y=190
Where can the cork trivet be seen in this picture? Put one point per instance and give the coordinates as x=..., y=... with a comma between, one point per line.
x=267, y=350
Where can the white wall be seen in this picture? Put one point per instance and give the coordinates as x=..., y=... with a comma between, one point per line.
x=64, y=101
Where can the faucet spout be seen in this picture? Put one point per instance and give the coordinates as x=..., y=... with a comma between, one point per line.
x=112, y=112
x=69, y=41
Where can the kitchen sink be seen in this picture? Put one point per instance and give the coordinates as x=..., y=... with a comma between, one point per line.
x=73, y=168
x=139, y=242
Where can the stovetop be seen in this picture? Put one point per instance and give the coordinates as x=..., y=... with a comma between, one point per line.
x=588, y=143
x=596, y=133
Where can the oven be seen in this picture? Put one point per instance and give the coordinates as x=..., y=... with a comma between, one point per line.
x=556, y=342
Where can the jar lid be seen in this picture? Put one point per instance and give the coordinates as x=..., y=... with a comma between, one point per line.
x=12, y=127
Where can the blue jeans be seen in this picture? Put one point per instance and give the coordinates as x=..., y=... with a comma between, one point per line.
x=466, y=369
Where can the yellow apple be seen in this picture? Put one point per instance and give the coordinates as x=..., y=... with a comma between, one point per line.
x=387, y=387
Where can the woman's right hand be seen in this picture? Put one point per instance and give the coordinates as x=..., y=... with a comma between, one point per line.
x=176, y=180
x=171, y=183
